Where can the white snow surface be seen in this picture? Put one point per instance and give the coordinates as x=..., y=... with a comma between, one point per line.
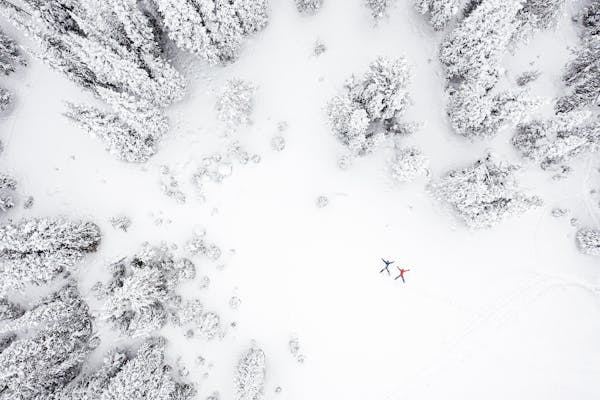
x=507, y=313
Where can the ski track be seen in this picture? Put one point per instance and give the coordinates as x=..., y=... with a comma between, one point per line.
x=496, y=314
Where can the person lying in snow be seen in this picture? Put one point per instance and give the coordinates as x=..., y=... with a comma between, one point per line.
x=387, y=266
x=402, y=271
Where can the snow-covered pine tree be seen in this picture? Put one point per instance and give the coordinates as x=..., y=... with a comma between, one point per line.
x=250, y=375
x=485, y=193
x=536, y=15
x=582, y=75
x=7, y=187
x=125, y=376
x=48, y=346
x=308, y=6
x=123, y=137
x=213, y=29
x=475, y=113
x=440, y=12
x=112, y=49
x=141, y=294
x=553, y=143
x=35, y=251
x=473, y=50
x=588, y=241
x=372, y=106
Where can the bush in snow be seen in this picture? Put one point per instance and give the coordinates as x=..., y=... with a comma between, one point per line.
x=378, y=8
x=142, y=290
x=527, y=77
x=250, y=376
x=47, y=346
x=407, y=164
x=308, y=6
x=372, y=105
x=582, y=75
x=190, y=314
x=555, y=142
x=485, y=193
x=10, y=55
x=213, y=29
x=440, y=11
x=35, y=251
x=124, y=376
x=7, y=187
x=6, y=99
x=235, y=103
x=588, y=241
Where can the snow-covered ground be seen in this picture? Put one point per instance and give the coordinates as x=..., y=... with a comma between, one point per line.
x=507, y=313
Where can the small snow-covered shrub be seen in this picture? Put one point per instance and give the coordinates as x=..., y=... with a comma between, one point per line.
x=235, y=103
x=250, y=376
x=308, y=6
x=372, y=105
x=555, y=142
x=440, y=11
x=485, y=193
x=407, y=164
x=588, y=241
x=46, y=346
x=141, y=291
x=35, y=251
x=7, y=187
x=378, y=8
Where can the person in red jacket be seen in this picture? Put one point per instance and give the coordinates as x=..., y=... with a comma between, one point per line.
x=402, y=271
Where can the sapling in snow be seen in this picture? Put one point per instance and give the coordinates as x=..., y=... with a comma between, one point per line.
x=250, y=376
x=308, y=6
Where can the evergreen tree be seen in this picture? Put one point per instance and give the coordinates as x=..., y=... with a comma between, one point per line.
x=35, y=251
x=10, y=55
x=372, y=106
x=582, y=75
x=112, y=49
x=141, y=293
x=485, y=193
x=124, y=376
x=49, y=344
x=553, y=143
x=236, y=103
x=407, y=164
x=213, y=29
